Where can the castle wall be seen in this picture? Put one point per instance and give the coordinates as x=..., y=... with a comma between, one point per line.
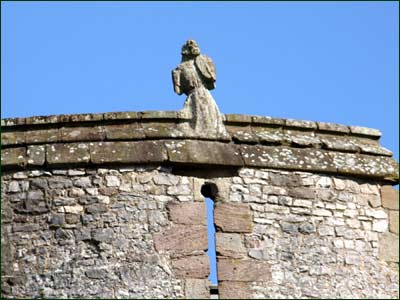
x=112, y=206
x=109, y=233
x=140, y=232
x=302, y=235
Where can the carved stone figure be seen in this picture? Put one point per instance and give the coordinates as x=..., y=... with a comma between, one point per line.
x=194, y=77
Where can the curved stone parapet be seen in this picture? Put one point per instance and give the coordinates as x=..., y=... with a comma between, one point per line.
x=113, y=206
x=166, y=137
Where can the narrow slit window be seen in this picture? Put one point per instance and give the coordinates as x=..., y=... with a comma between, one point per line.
x=209, y=191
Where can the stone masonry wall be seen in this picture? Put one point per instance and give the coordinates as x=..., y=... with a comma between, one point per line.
x=109, y=233
x=140, y=232
x=301, y=235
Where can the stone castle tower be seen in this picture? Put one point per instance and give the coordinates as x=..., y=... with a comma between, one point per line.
x=113, y=205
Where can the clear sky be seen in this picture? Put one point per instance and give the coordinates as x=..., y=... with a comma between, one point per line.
x=322, y=61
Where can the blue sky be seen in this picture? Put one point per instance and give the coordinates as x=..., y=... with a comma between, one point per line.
x=322, y=61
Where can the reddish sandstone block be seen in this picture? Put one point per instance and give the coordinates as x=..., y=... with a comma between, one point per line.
x=188, y=213
x=233, y=217
x=197, y=288
x=394, y=221
x=230, y=245
x=390, y=197
x=243, y=270
x=192, y=266
x=234, y=290
x=182, y=239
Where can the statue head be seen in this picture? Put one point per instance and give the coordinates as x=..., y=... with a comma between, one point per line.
x=190, y=48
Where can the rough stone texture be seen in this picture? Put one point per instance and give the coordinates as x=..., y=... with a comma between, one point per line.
x=233, y=217
x=322, y=236
x=198, y=152
x=243, y=270
x=389, y=247
x=12, y=157
x=234, y=290
x=66, y=234
x=181, y=238
x=95, y=133
x=264, y=142
x=92, y=221
x=197, y=289
x=59, y=154
x=390, y=197
x=394, y=222
x=127, y=152
x=188, y=213
x=230, y=245
x=197, y=266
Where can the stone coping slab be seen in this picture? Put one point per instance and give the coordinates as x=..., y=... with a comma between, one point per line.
x=201, y=153
x=167, y=138
x=242, y=129
x=182, y=116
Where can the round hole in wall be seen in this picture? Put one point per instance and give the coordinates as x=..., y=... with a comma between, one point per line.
x=209, y=190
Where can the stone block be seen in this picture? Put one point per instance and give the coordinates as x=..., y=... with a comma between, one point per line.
x=234, y=290
x=302, y=193
x=97, y=208
x=243, y=270
x=394, y=221
x=198, y=152
x=233, y=217
x=42, y=136
x=301, y=124
x=373, y=200
x=390, y=197
x=389, y=247
x=267, y=120
x=380, y=225
x=236, y=118
x=230, y=245
x=86, y=117
x=365, y=131
x=103, y=235
x=197, y=289
x=130, y=131
x=268, y=135
x=158, y=114
x=25, y=227
x=13, y=138
x=36, y=155
x=67, y=153
x=96, y=273
x=188, y=213
x=165, y=179
x=128, y=115
x=242, y=134
x=127, y=152
x=13, y=157
x=332, y=127
x=161, y=130
x=300, y=138
x=287, y=158
x=365, y=165
x=289, y=227
x=51, y=119
x=182, y=239
x=71, y=134
x=197, y=266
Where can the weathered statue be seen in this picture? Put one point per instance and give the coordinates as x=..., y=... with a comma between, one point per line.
x=194, y=77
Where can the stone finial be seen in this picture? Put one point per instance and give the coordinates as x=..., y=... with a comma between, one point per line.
x=194, y=77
